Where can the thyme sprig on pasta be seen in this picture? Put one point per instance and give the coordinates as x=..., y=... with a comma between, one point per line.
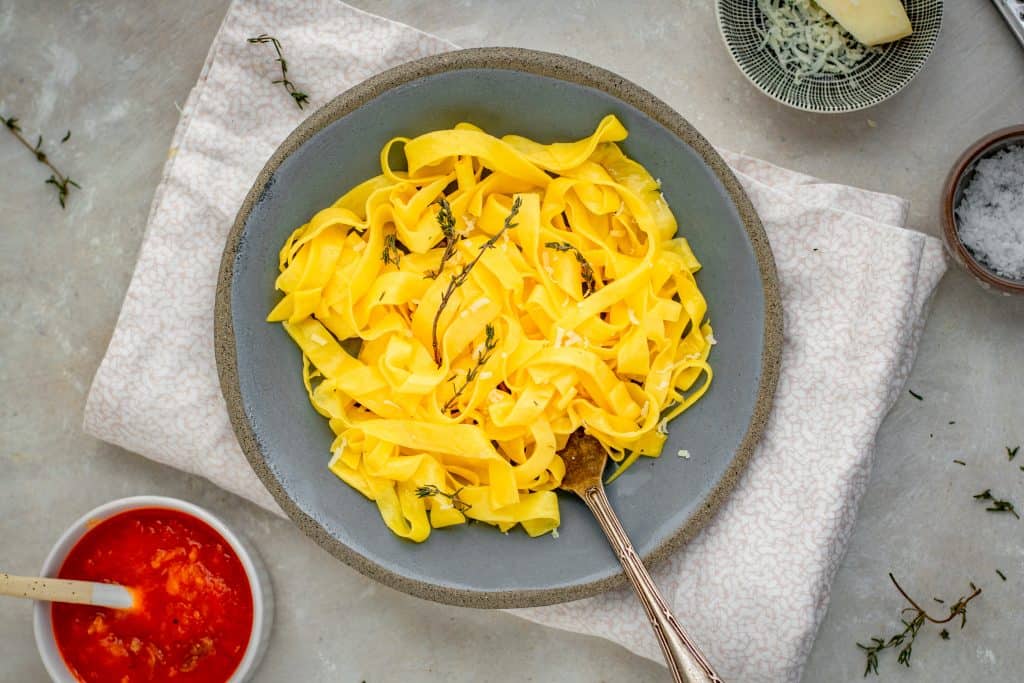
x=429, y=490
x=482, y=356
x=586, y=271
x=300, y=97
x=391, y=253
x=61, y=183
x=446, y=221
x=905, y=639
x=460, y=278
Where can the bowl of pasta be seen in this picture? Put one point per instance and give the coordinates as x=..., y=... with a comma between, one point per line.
x=450, y=268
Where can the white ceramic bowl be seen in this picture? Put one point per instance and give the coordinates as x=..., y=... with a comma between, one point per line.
x=259, y=581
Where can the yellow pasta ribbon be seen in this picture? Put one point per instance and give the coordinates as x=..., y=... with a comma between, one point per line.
x=561, y=297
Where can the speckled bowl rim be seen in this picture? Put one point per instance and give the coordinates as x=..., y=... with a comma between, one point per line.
x=954, y=245
x=552, y=66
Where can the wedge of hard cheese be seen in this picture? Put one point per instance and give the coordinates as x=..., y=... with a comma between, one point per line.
x=872, y=22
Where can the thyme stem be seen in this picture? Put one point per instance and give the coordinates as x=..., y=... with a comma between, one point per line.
x=460, y=278
x=300, y=97
x=61, y=182
x=446, y=220
x=586, y=271
x=482, y=356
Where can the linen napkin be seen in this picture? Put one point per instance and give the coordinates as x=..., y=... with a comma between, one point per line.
x=754, y=584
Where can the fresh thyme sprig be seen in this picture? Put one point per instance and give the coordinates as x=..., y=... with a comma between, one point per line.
x=905, y=639
x=300, y=97
x=430, y=490
x=446, y=220
x=460, y=278
x=586, y=272
x=60, y=182
x=1011, y=453
x=391, y=253
x=995, y=504
x=482, y=356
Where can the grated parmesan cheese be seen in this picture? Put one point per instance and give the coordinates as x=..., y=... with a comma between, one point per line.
x=807, y=41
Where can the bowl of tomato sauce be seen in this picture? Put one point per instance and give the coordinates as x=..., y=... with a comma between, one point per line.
x=202, y=602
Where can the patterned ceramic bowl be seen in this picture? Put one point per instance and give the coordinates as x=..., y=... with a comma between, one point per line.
x=876, y=78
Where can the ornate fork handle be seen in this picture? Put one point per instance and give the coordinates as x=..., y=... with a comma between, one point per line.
x=685, y=661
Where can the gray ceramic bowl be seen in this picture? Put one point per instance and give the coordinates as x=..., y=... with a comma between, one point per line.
x=548, y=97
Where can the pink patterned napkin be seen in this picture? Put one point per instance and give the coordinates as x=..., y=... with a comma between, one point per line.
x=854, y=286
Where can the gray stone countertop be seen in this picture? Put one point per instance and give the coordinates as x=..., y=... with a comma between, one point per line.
x=114, y=71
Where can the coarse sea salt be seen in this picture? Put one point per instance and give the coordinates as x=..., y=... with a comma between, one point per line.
x=990, y=215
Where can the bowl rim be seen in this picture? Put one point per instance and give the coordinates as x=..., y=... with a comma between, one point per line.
x=42, y=622
x=553, y=66
x=950, y=232
x=915, y=70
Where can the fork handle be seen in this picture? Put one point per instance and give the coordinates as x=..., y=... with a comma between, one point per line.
x=684, y=659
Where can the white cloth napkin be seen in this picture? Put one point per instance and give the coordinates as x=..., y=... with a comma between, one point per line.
x=754, y=584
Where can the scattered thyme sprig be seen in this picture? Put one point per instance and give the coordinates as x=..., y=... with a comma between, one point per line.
x=995, y=504
x=431, y=490
x=60, y=182
x=916, y=395
x=1011, y=453
x=391, y=253
x=300, y=97
x=460, y=278
x=446, y=220
x=586, y=272
x=482, y=356
x=905, y=639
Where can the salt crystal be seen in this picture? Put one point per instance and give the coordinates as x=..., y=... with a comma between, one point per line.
x=990, y=216
x=683, y=453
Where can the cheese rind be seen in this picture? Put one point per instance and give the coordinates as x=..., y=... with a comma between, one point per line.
x=872, y=22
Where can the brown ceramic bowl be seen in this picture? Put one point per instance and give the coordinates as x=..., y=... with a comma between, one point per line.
x=959, y=177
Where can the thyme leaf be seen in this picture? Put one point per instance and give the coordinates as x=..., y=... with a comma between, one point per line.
x=430, y=490
x=996, y=504
x=586, y=271
x=391, y=253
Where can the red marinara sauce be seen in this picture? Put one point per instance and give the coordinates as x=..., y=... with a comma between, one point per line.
x=193, y=609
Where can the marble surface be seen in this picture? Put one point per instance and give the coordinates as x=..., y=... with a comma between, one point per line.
x=113, y=72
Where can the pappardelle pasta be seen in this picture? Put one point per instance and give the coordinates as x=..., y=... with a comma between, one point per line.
x=460, y=319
